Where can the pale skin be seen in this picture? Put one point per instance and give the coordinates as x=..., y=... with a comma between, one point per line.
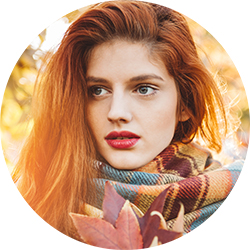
x=129, y=91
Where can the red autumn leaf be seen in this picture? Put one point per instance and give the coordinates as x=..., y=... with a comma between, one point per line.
x=179, y=223
x=130, y=234
x=112, y=204
x=97, y=232
x=122, y=227
x=163, y=234
x=157, y=205
x=150, y=224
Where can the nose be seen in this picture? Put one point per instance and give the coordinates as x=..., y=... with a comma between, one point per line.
x=119, y=111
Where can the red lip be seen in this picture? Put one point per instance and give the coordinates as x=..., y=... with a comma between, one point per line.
x=114, y=141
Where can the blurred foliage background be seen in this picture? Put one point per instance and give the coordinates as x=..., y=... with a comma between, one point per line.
x=16, y=121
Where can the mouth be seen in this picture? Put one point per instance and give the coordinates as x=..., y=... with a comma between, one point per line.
x=122, y=139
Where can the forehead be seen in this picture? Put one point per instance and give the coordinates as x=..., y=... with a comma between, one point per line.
x=124, y=58
x=110, y=50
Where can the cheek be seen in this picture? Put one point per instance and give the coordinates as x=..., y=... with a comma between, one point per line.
x=164, y=122
x=96, y=116
x=162, y=116
x=159, y=129
x=92, y=118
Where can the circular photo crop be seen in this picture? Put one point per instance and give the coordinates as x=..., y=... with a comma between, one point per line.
x=124, y=125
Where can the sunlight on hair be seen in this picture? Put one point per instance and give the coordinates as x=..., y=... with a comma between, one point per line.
x=54, y=35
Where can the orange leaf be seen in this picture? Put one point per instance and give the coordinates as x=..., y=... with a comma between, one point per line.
x=112, y=204
x=97, y=232
x=127, y=225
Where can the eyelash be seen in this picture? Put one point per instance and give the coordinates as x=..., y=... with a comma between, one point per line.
x=146, y=86
x=92, y=89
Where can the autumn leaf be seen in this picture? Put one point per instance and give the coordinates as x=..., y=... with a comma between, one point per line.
x=155, y=242
x=124, y=226
x=179, y=223
x=97, y=232
x=112, y=204
x=150, y=224
x=129, y=230
x=163, y=235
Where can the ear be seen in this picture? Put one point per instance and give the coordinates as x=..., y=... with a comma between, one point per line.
x=184, y=116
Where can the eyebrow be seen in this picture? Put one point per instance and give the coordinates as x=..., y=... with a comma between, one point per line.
x=96, y=79
x=133, y=79
x=145, y=77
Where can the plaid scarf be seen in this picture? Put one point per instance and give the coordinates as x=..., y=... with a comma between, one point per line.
x=191, y=176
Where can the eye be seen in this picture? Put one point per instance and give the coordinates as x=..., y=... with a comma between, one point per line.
x=145, y=90
x=98, y=91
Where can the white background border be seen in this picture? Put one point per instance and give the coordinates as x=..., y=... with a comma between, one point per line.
x=21, y=21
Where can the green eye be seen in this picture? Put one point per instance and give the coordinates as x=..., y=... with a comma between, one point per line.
x=145, y=90
x=98, y=91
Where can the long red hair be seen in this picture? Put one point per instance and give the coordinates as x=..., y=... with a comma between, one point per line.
x=56, y=166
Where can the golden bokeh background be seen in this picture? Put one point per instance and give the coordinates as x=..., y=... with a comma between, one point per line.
x=16, y=121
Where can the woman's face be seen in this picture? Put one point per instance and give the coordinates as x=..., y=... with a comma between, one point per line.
x=132, y=104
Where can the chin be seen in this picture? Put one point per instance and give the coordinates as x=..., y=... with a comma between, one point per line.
x=122, y=166
x=125, y=160
x=125, y=165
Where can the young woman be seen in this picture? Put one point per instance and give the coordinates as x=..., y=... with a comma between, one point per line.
x=121, y=100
